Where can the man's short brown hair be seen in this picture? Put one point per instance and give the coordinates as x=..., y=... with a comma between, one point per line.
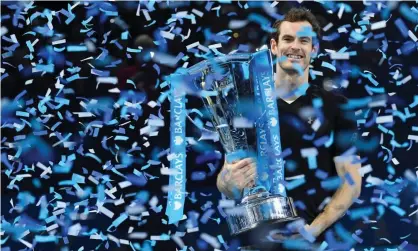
x=298, y=15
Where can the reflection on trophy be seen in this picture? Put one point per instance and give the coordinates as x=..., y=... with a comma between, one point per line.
x=228, y=82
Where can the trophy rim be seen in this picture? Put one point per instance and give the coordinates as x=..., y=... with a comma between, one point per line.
x=267, y=222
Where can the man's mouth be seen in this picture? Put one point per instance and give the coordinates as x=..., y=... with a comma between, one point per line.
x=293, y=56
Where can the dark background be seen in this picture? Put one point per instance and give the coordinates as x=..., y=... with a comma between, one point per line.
x=388, y=230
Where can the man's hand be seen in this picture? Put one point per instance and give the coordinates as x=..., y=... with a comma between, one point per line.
x=234, y=177
x=283, y=238
x=303, y=233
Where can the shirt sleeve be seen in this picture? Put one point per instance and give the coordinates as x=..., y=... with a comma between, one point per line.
x=345, y=133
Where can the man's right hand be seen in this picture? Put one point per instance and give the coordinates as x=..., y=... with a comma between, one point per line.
x=234, y=177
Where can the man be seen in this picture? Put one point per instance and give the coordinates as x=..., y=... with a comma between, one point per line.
x=315, y=128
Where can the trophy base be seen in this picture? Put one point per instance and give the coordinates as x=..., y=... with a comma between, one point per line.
x=261, y=211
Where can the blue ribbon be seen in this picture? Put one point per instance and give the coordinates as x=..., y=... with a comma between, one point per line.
x=237, y=155
x=262, y=141
x=177, y=181
x=262, y=74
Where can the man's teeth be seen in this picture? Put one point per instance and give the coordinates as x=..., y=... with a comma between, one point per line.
x=294, y=56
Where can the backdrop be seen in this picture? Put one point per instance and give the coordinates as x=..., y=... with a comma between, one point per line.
x=85, y=119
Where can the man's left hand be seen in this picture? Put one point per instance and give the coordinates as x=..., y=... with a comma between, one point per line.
x=282, y=238
x=278, y=237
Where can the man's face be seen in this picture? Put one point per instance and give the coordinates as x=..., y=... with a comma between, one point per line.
x=294, y=45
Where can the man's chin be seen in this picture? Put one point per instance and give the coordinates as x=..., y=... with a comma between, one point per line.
x=288, y=66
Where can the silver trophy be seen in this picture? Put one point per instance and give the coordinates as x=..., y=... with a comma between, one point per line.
x=238, y=87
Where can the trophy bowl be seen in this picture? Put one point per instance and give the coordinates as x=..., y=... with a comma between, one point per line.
x=260, y=210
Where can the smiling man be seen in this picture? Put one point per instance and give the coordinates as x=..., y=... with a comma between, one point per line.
x=321, y=171
x=295, y=42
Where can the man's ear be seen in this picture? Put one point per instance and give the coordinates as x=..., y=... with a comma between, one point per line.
x=315, y=50
x=273, y=46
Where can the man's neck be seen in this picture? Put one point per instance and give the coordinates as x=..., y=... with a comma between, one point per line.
x=287, y=84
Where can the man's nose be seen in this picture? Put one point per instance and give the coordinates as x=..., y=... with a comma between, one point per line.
x=295, y=45
x=295, y=49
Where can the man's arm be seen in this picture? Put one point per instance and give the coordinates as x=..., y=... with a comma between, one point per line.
x=343, y=197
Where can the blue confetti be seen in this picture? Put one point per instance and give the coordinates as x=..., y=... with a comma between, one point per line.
x=332, y=183
x=402, y=27
x=361, y=212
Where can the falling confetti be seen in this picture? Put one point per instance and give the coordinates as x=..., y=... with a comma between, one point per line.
x=85, y=111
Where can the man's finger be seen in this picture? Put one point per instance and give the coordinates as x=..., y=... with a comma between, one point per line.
x=250, y=180
x=249, y=170
x=277, y=237
x=242, y=163
x=243, y=171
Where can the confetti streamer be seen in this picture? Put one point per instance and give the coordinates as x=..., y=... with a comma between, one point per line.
x=175, y=203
